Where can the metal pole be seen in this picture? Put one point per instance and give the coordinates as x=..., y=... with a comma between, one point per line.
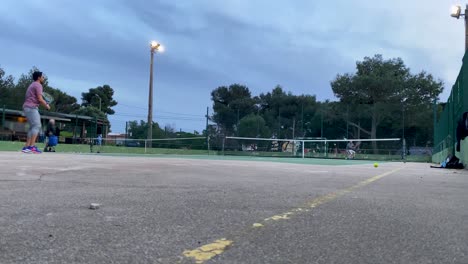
x=150, y=100
x=224, y=141
x=347, y=121
x=3, y=117
x=95, y=127
x=74, y=130
x=207, y=133
x=237, y=127
x=321, y=123
x=403, y=122
x=302, y=121
x=326, y=149
x=466, y=28
x=303, y=149
x=403, y=136
x=294, y=128
x=279, y=123
x=100, y=103
x=436, y=129
x=258, y=122
x=126, y=129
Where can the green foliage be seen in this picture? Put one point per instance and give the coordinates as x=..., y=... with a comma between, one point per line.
x=63, y=103
x=6, y=86
x=12, y=94
x=90, y=111
x=380, y=100
x=253, y=126
x=381, y=90
x=100, y=97
x=231, y=104
x=140, y=130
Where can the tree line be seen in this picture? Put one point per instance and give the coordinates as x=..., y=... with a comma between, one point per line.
x=96, y=102
x=381, y=99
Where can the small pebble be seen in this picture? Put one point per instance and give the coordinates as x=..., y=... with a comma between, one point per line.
x=94, y=206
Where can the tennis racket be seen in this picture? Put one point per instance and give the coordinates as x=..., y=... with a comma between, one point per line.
x=47, y=97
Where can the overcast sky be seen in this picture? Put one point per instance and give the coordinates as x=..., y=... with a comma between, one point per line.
x=300, y=45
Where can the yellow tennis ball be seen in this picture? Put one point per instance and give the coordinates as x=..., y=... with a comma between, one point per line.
x=376, y=165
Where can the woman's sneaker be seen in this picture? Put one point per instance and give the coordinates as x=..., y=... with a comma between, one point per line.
x=35, y=150
x=26, y=150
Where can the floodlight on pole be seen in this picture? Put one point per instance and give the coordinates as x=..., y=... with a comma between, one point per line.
x=154, y=47
x=456, y=13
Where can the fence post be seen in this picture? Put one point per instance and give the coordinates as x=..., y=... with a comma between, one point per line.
x=74, y=129
x=436, y=129
x=326, y=149
x=224, y=139
x=3, y=117
x=303, y=149
x=95, y=127
x=207, y=133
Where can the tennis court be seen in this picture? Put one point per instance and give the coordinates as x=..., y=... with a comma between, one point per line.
x=215, y=209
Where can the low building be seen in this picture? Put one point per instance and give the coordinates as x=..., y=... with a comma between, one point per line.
x=79, y=128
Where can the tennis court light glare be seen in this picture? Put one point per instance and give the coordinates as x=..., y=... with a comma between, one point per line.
x=161, y=48
x=156, y=46
x=456, y=11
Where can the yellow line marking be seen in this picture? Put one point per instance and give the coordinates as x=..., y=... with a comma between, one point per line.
x=280, y=217
x=209, y=251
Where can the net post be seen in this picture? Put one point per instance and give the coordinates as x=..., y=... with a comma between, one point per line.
x=224, y=140
x=303, y=149
x=146, y=142
x=326, y=149
x=403, y=150
x=207, y=134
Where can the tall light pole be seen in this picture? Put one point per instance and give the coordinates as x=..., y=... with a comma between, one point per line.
x=99, y=101
x=155, y=46
x=456, y=13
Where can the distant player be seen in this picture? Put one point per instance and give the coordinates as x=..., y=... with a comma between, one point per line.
x=350, y=150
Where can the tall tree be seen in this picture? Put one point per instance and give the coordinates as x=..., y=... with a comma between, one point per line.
x=230, y=105
x=18, y=93
x=383, y=86
x=90, y=111
x=63, y=103
x=253, y=126
x=288, y=115
x=6, y=86
x=139, y=130
x=418, y=107
x=272, y=107
x=100, y=97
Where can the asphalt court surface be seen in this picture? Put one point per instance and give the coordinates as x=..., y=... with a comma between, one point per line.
x=228, y=210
